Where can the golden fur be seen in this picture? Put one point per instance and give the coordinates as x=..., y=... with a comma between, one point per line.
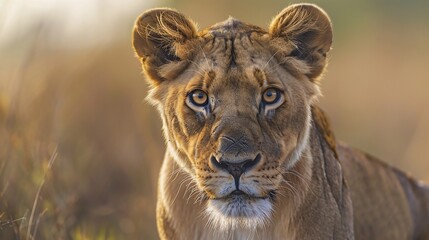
x=249, y=154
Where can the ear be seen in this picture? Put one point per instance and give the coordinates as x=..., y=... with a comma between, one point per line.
x=305, y=32
x=161, y=37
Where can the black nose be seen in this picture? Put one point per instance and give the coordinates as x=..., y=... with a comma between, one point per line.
x=234, y=167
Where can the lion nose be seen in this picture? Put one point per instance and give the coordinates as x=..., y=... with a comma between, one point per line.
x=234, y=167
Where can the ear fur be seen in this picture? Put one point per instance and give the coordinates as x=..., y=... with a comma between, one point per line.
x=160, y=37
x=303, y=31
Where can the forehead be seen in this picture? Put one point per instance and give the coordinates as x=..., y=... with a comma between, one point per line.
x=235, y=54
x=233, y=44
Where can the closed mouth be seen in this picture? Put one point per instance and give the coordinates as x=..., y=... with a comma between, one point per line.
x=238, y=194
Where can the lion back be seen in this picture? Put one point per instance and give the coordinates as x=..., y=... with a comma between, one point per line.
x=387, y=203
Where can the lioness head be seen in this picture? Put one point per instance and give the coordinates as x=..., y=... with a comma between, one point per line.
x=235, y=101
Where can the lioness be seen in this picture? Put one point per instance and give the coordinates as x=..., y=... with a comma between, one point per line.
x=249, y=154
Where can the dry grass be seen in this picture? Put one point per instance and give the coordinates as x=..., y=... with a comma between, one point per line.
x=92, y=122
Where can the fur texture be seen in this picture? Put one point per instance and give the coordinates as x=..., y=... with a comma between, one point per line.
x=249, y=154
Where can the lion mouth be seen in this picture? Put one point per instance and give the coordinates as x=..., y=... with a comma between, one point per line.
x=239, y=194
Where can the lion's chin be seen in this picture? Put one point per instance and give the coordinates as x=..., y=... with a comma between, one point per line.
x=238, y=212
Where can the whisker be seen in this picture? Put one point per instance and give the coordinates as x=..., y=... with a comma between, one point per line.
x=269, y=60
x=205, y=57
x=179, y=188
x=300, y=176
x=289, y=187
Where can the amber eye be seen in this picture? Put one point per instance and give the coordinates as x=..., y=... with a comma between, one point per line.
x=271, y=96
x=198, y=98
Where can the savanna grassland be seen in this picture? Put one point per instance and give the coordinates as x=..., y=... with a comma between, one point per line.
x=80, y=150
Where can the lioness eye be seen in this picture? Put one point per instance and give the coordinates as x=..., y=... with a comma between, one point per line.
x=198, y=98
x=271, y=96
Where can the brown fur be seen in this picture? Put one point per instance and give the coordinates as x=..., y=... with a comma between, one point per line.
x=302, y=184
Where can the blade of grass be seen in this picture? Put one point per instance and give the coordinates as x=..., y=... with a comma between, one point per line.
x=38, y=221
x=36, y=200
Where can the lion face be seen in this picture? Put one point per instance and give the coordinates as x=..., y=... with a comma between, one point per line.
x=236, y=129
x=235, y=102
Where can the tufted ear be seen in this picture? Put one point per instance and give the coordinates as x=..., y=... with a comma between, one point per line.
x=162, y=37
x=305, y=32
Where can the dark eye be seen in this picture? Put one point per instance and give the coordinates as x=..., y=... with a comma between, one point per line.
x=198, y=98
x=271, y=96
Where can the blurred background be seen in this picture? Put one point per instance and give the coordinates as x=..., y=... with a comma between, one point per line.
x=80, y=150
